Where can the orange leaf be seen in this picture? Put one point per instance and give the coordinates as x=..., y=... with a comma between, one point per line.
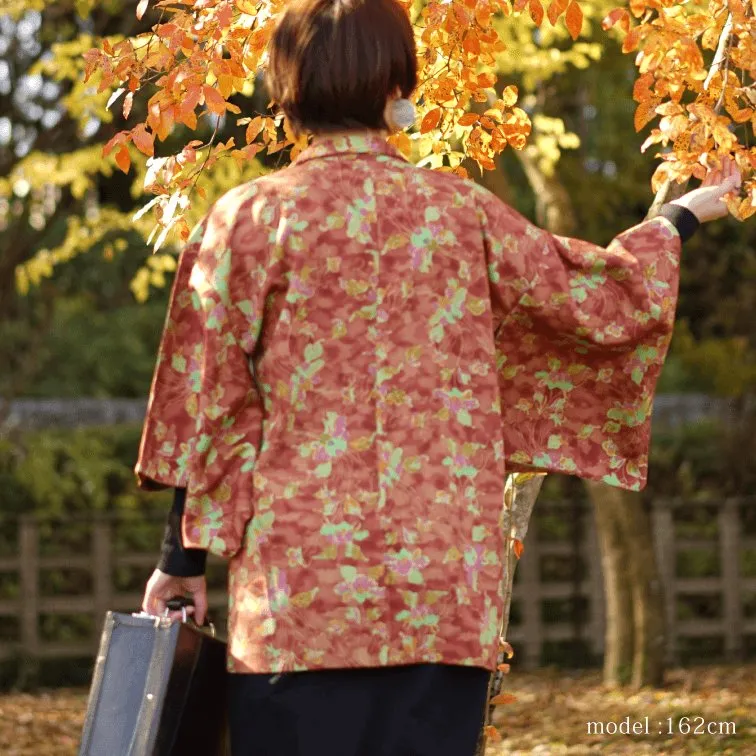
x=123, y=161
x=165, y=123
x=617, y=16
x=505, y=668
x=506, y=648
x=574, y=19
x=431, y=120
x=189, y=117
x=642, y=87
x=214, y=100
x=518, y=547
x=144, y=141
x=119, y=138
x=254, y=128
x=141, y=9
x=463, y=17
x=468, y=119
x=471, y=44
x=486, y=79
x=632, y=40
x=493, y=733
x=536, y=11
x=556, y=8
x=483, y=15
x=503, y=698
x=645, y=113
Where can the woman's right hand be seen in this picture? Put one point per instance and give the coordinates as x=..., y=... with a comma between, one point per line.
x=707, y=202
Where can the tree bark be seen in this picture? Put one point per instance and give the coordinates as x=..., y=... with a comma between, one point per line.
x=635, y=631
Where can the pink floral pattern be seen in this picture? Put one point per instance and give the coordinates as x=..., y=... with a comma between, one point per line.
x=357, y=352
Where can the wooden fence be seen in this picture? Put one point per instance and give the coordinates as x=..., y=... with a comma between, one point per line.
x=709, y=615
x=558, y=598
x=669, y=410
x=100, y=561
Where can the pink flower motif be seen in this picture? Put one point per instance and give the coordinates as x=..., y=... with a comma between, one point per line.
x=405, y=561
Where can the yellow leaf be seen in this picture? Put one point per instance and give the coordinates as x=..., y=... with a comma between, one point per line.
x=402, y=142
x=509, y=96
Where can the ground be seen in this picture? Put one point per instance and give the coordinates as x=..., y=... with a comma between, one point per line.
x=550, y=716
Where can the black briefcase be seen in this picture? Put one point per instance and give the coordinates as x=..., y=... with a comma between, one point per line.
x=159, y=688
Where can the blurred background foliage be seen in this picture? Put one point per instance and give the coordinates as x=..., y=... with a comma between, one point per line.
x=59, y=194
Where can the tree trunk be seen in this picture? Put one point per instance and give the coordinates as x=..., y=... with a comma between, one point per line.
x=647, y=593
x=618, y=643
x=635, y=632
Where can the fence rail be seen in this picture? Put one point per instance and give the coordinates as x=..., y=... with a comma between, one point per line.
x=669, y=410
x=731, y=587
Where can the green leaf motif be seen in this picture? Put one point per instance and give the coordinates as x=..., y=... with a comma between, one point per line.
x=323, y=470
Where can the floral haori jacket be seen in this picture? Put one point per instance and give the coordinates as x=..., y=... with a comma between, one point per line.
x=357, y=352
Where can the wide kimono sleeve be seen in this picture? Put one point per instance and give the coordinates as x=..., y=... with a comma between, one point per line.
x=581, y=334
x=211, y=409
x=169, y=426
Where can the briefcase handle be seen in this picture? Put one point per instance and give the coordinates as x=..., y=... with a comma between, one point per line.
x=179, y=604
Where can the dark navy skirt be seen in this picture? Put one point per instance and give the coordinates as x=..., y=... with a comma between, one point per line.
x=414, y=710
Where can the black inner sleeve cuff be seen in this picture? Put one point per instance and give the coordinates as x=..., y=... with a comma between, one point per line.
x=683, y=220
x=175, y=560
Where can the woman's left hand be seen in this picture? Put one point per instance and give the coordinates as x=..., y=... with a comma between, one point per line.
x=161, y=588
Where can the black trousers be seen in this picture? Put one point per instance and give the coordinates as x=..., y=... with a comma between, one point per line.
x=414, y=710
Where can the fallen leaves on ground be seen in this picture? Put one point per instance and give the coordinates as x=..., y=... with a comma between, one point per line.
x=553, y=707
x=549, y=717
x=43, y=724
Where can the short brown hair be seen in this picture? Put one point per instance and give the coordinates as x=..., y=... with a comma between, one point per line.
x=334, y=63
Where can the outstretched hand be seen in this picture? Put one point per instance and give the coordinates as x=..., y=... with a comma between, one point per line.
x=708, y=202
x=161, y=588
